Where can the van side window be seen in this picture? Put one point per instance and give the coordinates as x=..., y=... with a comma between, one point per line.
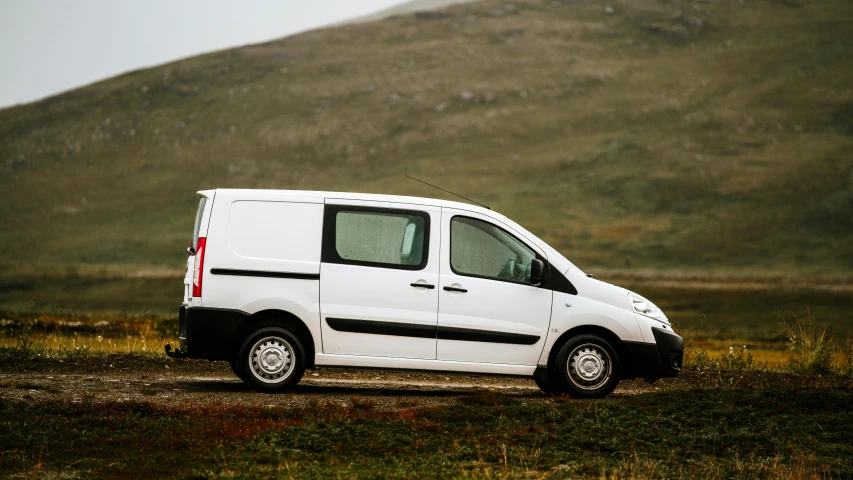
x=480, y=249
x=376, y=237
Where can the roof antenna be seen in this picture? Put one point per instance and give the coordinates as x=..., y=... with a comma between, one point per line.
x=448, y=191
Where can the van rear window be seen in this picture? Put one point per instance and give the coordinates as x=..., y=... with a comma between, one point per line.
x=202, y=202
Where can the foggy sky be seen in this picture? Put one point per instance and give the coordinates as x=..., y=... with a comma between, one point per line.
x=49, y=46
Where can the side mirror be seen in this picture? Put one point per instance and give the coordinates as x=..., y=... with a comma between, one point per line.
x=537, y=270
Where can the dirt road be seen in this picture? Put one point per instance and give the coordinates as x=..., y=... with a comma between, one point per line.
x=125, y=378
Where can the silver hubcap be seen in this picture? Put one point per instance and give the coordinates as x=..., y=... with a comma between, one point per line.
x=589, y=366
x=271, y=360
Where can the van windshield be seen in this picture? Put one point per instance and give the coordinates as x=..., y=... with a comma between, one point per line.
x=202, y=202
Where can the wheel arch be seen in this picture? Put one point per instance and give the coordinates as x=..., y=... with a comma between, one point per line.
x=275, y=318
x=603, y=332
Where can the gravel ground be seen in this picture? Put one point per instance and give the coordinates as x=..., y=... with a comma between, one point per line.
x=168, y=382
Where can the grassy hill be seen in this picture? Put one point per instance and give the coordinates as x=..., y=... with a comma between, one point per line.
x=406, y=8
x=709, y=135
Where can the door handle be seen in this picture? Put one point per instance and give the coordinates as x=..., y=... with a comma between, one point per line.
x=455, y=289
x=422, y=285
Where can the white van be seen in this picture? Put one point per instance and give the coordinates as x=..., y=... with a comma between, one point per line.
x=279, y=281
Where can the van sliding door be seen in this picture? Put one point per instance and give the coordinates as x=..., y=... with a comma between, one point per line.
x=378, y=279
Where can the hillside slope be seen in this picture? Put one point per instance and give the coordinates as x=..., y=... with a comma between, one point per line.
x=651, y=134
x=406, y=7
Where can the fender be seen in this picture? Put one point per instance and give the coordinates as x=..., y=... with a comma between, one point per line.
x=308, y=313
x=572, y=311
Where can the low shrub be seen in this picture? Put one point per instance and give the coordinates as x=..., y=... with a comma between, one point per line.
x=810, y=346
x=738, y=358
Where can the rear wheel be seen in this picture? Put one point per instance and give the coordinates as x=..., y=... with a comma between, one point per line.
x=586, y=366
x=271, y=359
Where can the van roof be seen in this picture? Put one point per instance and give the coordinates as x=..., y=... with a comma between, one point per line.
x=556, y=258
x=375, y=197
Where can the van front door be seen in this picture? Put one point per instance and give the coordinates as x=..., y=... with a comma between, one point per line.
x=378, y=279
x=489, y=311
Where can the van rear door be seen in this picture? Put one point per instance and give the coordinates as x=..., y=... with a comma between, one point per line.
x=199, y=229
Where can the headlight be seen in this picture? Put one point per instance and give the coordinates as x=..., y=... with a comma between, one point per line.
x=647, y=308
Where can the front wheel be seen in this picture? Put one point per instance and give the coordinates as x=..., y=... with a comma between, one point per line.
x=586, y=366
x=240, y=373
x=271, y=359
x=540, y=376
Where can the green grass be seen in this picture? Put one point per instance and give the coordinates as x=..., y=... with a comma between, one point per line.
x=718, y=433
x=677, y=135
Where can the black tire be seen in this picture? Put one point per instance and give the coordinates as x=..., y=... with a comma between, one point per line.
x=233, y=363
x=285, y=360
x=543, y=384
x=597, y=374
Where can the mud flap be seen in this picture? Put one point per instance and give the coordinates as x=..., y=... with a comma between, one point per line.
x=176, y=354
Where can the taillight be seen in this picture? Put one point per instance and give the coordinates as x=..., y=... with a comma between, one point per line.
x=198, y=270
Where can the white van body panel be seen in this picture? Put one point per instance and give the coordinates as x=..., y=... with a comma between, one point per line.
x=257, y=240
x=263, y=233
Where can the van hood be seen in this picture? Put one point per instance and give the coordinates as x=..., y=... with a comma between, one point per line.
x=600, y=291
x=616, y=296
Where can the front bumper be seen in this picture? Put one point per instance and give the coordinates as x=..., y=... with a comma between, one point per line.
x=654, y=360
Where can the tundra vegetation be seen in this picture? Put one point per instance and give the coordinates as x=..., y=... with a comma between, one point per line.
x=777, y=431
x=697, y=152
x=777, y=406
